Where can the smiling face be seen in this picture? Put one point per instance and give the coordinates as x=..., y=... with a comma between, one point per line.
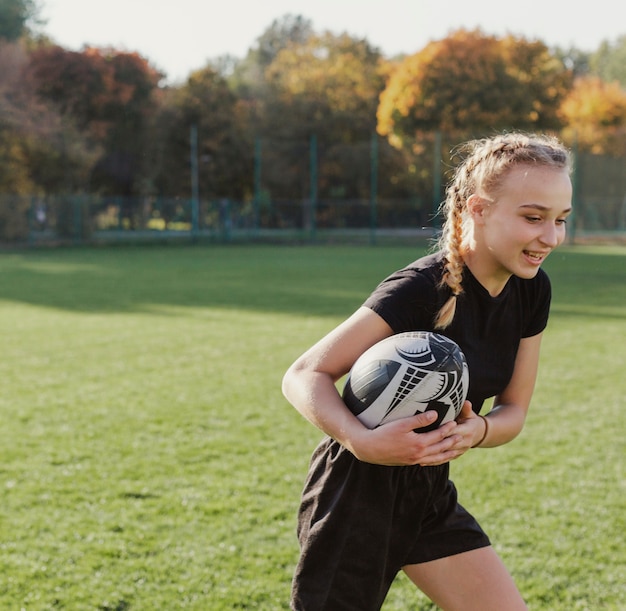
x=516, y=227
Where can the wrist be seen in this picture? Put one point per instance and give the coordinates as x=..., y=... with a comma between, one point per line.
x=485, y=433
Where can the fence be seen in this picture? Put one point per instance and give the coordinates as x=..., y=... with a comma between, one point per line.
x=324, y=209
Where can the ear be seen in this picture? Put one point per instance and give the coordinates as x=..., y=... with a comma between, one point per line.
x=477, y=207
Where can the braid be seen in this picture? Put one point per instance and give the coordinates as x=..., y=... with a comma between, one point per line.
x=484, y=167
x=452, y=239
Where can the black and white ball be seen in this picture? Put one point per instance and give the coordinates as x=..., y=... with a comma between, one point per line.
x=406, y=374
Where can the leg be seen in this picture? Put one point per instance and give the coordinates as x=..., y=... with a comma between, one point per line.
x=472, y=581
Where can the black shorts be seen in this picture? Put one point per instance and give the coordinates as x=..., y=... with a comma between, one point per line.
x=359, y=524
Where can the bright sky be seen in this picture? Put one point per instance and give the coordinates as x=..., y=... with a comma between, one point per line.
x=179, y=36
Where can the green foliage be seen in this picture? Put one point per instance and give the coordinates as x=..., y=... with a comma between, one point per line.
x=247, y=76
x=609, y=61
x=14, y=218
x=282, y=33
x=15, y=16
x=574, y=59
x=225, y=146
x=149, y=460
x=327, y=85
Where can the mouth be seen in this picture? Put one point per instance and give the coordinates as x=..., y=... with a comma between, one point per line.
x=535, y=256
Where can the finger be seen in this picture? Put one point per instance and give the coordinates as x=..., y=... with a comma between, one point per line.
x=466, y=410
x=420, y=420
x=440, y=458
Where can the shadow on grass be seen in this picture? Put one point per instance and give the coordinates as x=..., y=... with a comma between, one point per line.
x=309, y=280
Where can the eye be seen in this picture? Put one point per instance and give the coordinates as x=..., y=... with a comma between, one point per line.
x=533, y=219
x=561, y=221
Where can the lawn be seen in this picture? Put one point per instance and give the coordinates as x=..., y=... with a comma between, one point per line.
x=148, y=460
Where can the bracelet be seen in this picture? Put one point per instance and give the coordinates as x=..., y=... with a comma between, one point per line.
x=485, y=433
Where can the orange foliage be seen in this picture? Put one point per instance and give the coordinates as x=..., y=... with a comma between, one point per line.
x=470, y=81
x=595, y=113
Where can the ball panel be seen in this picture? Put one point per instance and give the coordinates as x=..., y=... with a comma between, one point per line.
x=407, y=374
x=364, y=386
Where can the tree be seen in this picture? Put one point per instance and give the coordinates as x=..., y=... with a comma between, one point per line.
x=470, y=82
x=224, y=151
x=327, y=86
x=15, y=16
x=575, y=60
x=247, y=77
x=595, y=114
x=133, y=100
x=109, y=96
x=283, y=32
x=42, y=151
x=39, y=150
x=609, y=61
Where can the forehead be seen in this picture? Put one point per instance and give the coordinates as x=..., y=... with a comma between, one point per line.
x=541, y=185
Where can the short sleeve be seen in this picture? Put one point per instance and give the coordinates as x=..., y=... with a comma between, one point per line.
x=407, y=300
x=538, y=304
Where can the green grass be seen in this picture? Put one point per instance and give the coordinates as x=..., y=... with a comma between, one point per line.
x=148, y=460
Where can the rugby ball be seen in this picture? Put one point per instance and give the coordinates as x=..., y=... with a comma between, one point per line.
x=406, y=374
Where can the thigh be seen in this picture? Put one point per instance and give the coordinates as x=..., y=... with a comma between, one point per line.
x=471, y=581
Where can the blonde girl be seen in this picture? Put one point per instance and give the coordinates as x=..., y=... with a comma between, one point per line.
x=379, y=501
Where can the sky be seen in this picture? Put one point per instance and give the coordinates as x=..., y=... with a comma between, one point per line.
x=180, y=36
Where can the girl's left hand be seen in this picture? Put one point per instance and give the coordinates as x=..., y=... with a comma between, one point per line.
x=470, y=429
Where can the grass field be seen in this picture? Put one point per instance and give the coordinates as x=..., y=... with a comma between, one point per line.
x=148, y=460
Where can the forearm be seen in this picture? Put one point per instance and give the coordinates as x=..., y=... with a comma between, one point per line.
x=504, y=423
x=315, y=397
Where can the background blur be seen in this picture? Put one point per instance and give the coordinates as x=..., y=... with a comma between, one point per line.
x=310, y=134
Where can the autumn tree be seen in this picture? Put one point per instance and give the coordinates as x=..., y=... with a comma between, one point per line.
x=595, y=115
x=109, y=96
x=224, y=154
x=39, y=150
x=14, y=172
x=470, y=82
x=47, y=151
x=327, y=86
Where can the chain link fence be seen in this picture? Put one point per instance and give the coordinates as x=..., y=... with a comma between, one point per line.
x=327, y=192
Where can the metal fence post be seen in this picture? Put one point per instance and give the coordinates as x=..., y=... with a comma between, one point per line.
x=373, y=188
x=313, y=187
x=195, y=187
x=436, y=178
x=258, y=151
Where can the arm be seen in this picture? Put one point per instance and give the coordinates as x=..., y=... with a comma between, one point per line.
x=309, y=385
x=506, y=419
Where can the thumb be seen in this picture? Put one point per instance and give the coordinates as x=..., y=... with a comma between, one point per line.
x=421, y=420
x=466, y=411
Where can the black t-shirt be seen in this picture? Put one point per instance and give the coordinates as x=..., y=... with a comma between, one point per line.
x=488, y=329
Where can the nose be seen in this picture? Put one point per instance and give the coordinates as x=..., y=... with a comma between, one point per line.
x=552, y=235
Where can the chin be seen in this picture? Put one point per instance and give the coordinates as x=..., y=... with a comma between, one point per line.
x=527, y=273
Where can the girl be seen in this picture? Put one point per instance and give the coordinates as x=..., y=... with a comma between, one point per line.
x=378, y=501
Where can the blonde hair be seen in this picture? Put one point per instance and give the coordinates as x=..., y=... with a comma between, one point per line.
x=485, y=164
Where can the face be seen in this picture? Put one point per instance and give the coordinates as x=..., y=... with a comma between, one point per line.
x=517, y=228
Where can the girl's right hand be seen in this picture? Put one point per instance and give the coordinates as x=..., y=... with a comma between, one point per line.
x=397, y=444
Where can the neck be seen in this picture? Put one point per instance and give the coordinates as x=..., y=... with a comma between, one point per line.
x=493, y=279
